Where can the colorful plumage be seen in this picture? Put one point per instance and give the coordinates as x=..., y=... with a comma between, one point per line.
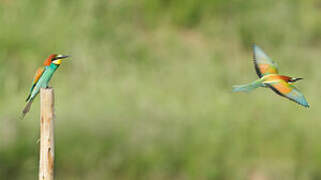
x=42, y=78
x=267, y=70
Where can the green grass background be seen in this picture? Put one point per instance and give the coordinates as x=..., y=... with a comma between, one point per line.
x=147, y=92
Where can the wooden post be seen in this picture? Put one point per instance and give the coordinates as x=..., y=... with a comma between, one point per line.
x=47, y=143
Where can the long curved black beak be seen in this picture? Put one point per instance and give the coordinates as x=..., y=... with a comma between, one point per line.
x=296, y=79
x=62, y=57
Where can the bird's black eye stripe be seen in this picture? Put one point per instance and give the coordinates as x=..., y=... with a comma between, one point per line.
x=56, y=58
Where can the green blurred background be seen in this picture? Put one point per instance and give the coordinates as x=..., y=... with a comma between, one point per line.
x=147, y=92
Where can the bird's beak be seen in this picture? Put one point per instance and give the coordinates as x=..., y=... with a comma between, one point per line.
x=60, y=56
x=296, y=79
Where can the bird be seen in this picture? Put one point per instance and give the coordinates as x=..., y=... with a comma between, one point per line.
x=269, y=77
x=42, y=78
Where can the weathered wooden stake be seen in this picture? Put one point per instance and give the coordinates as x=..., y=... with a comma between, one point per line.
x=47, y=143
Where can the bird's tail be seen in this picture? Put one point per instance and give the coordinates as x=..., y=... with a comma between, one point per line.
x=27, y=108
x=247, y=87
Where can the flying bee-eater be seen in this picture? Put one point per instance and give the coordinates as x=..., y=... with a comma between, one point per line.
x=42, y=78
x=267, y=70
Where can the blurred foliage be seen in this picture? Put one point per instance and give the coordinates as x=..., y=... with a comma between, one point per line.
x=147, y=92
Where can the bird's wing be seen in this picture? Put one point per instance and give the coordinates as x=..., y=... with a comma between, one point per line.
x=284, y=89
x=263, y=64
x=38, y=75
x=35, y=80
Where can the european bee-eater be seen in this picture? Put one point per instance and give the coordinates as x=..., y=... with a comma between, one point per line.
x=42, y=78
x=267, y=70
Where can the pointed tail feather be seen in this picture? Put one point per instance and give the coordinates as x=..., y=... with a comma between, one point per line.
x=246, y=87
x=28, y=97
x=27, y=108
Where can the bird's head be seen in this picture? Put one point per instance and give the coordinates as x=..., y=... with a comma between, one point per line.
x=292, y=79
x=55, y=58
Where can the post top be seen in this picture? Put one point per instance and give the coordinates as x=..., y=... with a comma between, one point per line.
x=47, y=89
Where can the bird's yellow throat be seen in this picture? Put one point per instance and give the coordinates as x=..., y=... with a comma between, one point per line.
x=58, y=61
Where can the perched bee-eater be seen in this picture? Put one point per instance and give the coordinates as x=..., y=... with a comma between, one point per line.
x=42, y=78
x=267, y=70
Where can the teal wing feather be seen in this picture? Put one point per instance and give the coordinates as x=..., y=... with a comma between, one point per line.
x=286, y=90
x=297, y=97
x=263, y=64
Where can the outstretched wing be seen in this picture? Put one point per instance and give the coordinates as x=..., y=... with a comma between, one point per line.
x=263, y=64
x=35, y=80
x=284, y=89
